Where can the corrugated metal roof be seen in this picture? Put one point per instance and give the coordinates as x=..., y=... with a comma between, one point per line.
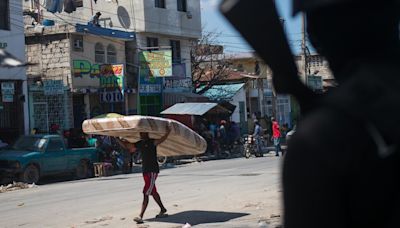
x=197, y=109
x=222, y=92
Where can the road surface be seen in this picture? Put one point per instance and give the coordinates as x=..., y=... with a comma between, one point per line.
x=223, y=193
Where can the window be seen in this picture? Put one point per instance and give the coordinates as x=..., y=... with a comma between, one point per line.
x=176, y=51
x=78, y=3
x=160, y=3
x=152, y=42
x=111, y=54
x=182, y=5
x=4, y=15
x=55, y=145
x=78, y=43
x=99, y=53
x=315, y=61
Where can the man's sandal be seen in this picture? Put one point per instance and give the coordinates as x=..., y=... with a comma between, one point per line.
x=138, y=220
x=162, y=215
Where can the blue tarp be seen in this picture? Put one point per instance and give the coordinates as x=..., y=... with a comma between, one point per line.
x=222, y=92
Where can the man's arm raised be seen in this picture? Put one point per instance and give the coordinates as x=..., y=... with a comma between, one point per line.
x=126, y=145
x=162, y=139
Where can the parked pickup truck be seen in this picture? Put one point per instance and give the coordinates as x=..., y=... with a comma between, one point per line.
x=35, y=156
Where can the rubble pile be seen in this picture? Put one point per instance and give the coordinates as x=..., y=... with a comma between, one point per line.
x=15, y=186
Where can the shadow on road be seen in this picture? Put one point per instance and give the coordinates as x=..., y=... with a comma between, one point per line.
x=199, y=217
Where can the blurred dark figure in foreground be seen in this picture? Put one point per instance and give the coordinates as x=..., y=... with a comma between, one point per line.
x=342, y=168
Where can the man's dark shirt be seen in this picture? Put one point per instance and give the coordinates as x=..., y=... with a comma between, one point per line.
x=149, y=155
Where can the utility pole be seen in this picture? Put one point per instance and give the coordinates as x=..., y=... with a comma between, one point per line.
x=304, y=47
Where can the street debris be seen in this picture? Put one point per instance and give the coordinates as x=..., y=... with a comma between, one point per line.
x=252, y=205
x=275, y=216
x=122, y=219
x=102, y=219
x=21, y=204
x=187, y=225
x=16, y=186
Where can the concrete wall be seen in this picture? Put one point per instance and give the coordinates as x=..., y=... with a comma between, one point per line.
x=13, y=39
x=239, y=97
x=165, y=41
x=52, y=58
x=170, y=21
x=317, y=63
x=88, y=54
x=13, y=42
x=136, y=15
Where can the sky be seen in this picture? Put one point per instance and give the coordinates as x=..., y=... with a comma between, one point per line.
x=213, y=20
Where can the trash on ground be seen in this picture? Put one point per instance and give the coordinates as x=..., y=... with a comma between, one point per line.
x=16, y=186
x=187, y=225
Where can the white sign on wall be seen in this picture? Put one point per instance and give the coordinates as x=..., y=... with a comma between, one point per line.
x=7, y=91
x=150, y=88
x=111, y=97
x=7, y=88
x=53, y=87
x=8, y=98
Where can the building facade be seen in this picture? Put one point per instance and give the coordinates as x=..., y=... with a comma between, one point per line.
x=159, y=25
x=261, y=99
x=14, y=120
x=79, y=72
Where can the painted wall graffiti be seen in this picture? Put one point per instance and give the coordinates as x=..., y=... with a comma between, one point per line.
x=110, y=75
x=83, y=68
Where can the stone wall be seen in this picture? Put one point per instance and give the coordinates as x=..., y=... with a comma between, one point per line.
x=51, y=54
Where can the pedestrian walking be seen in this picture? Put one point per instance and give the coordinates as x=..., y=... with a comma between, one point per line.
x=257, y=135
x=150, y=169
x=276, y=136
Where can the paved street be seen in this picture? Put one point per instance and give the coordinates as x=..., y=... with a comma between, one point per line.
x=223, y=193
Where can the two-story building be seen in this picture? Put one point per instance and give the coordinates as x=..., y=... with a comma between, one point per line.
x=14, y=120
x=80, y=73
x=169, y=26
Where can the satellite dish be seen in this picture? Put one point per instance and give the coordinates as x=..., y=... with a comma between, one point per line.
x=123, y=17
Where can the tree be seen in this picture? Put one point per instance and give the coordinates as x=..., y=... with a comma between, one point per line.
x=209, y=65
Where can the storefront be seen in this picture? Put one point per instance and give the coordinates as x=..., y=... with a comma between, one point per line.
x=50, y=104
x=99, y=89
x=11, y=110
x=154, y=67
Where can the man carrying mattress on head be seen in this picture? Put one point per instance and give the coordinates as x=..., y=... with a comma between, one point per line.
x=150, y=168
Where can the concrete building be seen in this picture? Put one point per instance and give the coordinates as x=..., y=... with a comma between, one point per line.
x=80, y=73
x=14, y=120
x=158, y=24
x=320, y=77
x=260, y=93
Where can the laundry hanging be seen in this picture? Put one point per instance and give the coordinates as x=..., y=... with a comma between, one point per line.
x=69, y=6
x=54, y=5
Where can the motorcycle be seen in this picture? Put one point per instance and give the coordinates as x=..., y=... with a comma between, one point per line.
x=250, y=146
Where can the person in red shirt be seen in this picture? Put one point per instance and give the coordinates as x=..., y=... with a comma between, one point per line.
x=276, y=136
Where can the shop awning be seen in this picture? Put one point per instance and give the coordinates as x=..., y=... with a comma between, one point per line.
x=196, y=109
x=222, y=92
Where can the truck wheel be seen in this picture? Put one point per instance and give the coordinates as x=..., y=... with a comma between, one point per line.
x=31, y=174
x=82, y=170
x=162, y=160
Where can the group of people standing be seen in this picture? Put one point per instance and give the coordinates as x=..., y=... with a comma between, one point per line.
x=218, y=135
x=277, y=134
